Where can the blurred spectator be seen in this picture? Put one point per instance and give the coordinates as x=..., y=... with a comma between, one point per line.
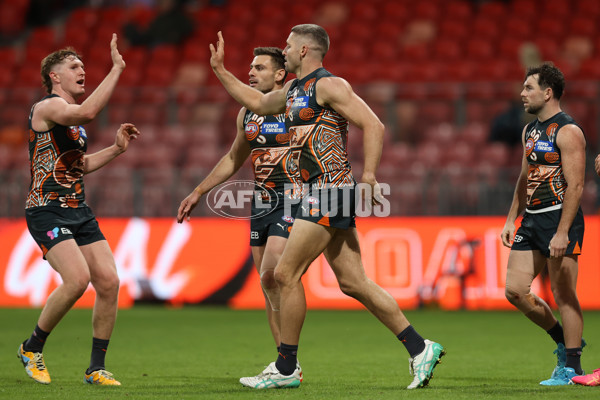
x=508, y=126
x=171, y=26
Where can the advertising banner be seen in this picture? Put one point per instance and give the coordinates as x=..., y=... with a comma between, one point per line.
x=450, y=262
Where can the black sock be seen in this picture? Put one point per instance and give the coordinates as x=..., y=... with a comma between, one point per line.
x=99, y=347
x=574, y=359
x=286, y=362
x=36, y=342
x=556, y=333
x=413, y=342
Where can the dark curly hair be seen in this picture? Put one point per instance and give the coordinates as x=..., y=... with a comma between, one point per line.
x=53, y=59
x=549, y=76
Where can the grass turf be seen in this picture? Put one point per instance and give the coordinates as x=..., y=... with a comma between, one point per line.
x=200, y=353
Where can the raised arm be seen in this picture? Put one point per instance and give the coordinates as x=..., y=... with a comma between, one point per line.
x=571, y=142
x=337, y=94
x=254, y=100
x=59, y=111
x=229, y=164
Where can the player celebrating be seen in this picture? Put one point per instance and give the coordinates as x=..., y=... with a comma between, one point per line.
x=57, y=217
x=318, y=107
x=266, y=141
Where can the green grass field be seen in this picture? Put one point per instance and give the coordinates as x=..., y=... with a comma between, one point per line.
x=200, y=353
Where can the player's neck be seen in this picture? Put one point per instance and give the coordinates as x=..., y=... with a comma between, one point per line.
x=307, y=68
x=69, y=98
x=549, y=111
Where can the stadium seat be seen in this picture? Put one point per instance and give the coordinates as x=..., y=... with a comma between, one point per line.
x=457, y=11
x=453, y=30
x=590, y=8
x=479, y=47
x=43, y=37
x=83, y=19
x=527, y=10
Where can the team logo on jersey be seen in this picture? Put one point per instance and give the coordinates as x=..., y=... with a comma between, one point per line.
x=75, y=132
x=288, y=219
x=529, y=146
x=252, y=129
x=551, y=157
x=543, y=146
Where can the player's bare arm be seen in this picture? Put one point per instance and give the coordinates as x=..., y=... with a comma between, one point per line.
x=597, y=164
x=59, y=111
x=253, y=99
x=519, y=201
x=125, y=134
x=228, y=165
x=571, y=143
x=337, y=94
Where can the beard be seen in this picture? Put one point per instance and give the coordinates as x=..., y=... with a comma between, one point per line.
x=533, y=108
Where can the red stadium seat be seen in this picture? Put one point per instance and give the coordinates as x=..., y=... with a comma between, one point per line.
x=84, y=19
x=453, y=30
x=479, y=48
x=526, y=10
x=457, y=10
x=43, y=36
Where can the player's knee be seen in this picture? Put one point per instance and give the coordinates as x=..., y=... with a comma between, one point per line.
x=350, y=288
x=280, y=278
x=514, y=295
x=267, y=281
x=108, y=285
x=76, y=286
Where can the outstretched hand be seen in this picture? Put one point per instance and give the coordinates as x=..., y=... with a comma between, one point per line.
x=117, y=58
x=125, y=134
x=217, y=55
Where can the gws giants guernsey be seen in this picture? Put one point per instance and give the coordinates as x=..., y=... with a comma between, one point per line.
x=320, y=133
x=275, y=166
x=56, y=163
x=546, y=184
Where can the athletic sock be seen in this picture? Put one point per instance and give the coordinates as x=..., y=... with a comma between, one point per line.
x=99, y=347
x=574, y=359
x=413, y=342
x=36, y=341
x=286, y=361
x=556, y=333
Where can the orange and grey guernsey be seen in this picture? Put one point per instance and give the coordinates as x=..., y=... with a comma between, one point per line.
x=56, y=163
x=321, y=133
x=546, y=184
x=275, y=165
